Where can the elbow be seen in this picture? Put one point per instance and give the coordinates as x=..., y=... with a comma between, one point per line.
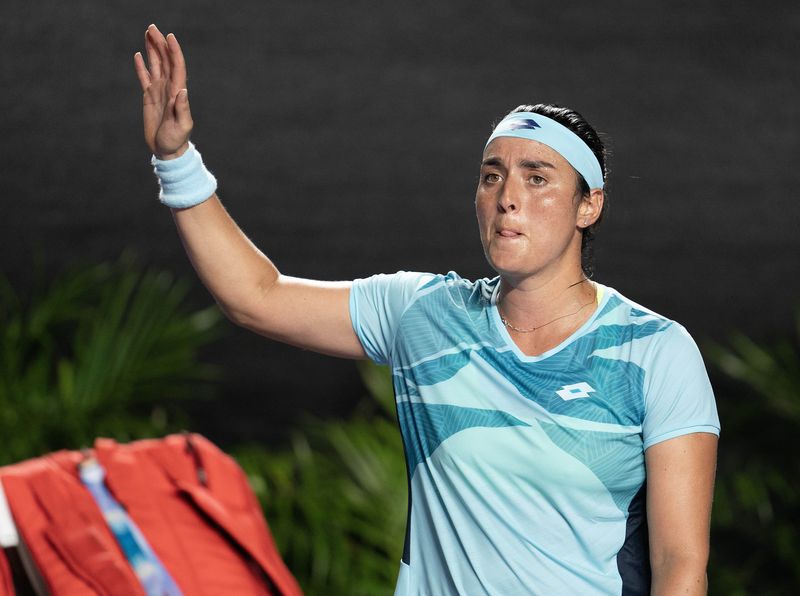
x=248, y=309
x=236, y=316
x=241, y=313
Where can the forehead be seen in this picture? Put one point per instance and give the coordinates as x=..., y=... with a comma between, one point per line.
x=512, y=150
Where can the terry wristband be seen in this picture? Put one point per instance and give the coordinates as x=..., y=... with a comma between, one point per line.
x=185, y=181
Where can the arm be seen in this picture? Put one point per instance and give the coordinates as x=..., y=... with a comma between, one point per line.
x=248, y=287
x=680, y=486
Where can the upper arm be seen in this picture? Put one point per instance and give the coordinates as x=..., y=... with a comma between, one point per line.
x=313, y=315
x=679, y=430
x=680, y=486
x=679, y=398
x=349, y=319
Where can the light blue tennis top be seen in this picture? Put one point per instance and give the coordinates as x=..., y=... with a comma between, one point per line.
x=527, y=474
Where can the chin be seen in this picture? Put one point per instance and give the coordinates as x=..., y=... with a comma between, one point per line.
x=510, y=267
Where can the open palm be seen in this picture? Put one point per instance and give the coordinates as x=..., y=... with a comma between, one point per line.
x=167, y=118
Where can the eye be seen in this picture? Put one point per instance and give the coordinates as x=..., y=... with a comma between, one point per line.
x=537, y=180
x=491, y=178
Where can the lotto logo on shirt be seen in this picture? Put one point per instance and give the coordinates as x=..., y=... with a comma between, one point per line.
x=575, y=391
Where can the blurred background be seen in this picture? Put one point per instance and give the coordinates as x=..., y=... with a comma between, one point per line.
x=346, y=138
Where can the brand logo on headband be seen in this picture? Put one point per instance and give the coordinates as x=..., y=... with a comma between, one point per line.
x=528, y=123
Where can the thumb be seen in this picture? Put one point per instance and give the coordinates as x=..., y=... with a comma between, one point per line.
x=182, y=112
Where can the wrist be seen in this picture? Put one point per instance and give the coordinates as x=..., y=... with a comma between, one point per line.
x=173, y=155
x=184, y=180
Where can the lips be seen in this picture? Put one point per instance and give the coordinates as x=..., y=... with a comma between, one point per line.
x=508, y=233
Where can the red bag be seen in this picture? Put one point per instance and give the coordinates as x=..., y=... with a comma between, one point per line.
x=6, y=581
x=191, y=501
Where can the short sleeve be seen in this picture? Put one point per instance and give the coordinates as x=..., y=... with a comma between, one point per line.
x=377, y=304
x=678, y=396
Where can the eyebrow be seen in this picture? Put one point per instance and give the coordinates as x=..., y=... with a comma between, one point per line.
x=525, y=163
x=491, y=161
x=535, y=165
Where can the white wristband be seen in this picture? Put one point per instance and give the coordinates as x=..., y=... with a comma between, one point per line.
x=185, y=181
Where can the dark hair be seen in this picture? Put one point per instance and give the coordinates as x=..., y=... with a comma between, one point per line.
x=578, y=124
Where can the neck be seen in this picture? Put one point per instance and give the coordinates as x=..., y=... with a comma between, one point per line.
x=534, y=303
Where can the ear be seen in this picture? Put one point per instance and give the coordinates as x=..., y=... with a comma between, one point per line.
x=590, y=208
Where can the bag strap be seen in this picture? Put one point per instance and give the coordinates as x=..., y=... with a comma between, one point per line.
x=24, y=573
x=78, y=534
x=227, y=500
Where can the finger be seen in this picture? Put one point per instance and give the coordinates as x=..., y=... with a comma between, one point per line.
x=160, y=44
x=141, y=71
x=183, y=113
x=178, y=65
x=153, y=58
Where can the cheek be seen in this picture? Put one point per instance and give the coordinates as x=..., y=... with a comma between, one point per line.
x=555, y=209
x=549, y=203
x=483, y=210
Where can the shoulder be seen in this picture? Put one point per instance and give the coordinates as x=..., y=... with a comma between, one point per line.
x=416, y=284
x=667, y=352
x=451, y=291
x=385, y=306
x=648, y=336
x=619, y=310
x=627, y=308
x=398, y=292
x=620, y=314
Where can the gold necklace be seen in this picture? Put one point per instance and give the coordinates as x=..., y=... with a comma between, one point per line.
x=519, y=330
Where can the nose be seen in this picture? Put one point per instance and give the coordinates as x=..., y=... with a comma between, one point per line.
x=508, y=198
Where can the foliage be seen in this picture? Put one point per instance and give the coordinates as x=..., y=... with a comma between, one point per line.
x=756, y=517
x=102, y=350
x=109, y=350
x=336, y=501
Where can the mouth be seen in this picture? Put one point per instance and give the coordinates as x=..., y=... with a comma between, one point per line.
x=507, y=233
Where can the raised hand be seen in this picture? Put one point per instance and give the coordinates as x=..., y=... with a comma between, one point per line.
x=167, y=118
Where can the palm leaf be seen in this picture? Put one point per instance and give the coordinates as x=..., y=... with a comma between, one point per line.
x=337, y=499
x=102, y=350
x=756, y=516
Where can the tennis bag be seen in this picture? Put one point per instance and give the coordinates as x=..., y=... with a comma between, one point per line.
x=6, y=581
x=190, y=501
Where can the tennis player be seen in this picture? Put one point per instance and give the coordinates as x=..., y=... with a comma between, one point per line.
x=559, y=437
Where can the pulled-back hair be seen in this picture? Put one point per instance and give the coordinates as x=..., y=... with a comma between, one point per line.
x=578, y=124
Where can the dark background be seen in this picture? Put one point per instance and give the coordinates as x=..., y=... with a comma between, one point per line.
x=346, y=138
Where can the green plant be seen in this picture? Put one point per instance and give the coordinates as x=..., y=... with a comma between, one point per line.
x=102, y=350
x=336, y=501
x=756, y=516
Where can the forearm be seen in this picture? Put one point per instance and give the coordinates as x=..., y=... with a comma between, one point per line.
x=680, y=485
x=679, y=575
x=230, y=266
x=236, y=273
x=310, y=314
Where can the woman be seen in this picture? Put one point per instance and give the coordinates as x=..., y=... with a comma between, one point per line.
x=532, y=406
